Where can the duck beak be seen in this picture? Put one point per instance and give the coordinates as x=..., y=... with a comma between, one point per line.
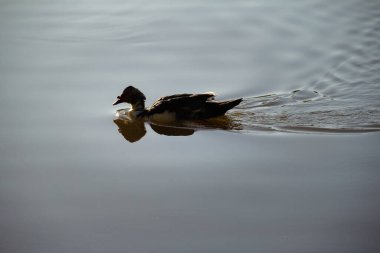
x=118, y=101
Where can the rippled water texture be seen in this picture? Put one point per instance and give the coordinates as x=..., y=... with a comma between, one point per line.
x=292, y=169
x=328, y=51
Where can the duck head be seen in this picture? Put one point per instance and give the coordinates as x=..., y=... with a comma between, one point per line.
x=130, y=95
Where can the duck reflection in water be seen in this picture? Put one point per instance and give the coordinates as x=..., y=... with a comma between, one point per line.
x=168, y=114
x=133, y=129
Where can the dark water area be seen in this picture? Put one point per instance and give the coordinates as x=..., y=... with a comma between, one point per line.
x=293, y=168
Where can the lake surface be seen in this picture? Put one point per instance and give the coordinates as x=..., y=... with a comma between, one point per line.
x=294, y=168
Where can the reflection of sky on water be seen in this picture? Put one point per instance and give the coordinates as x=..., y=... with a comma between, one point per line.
x=69, y=182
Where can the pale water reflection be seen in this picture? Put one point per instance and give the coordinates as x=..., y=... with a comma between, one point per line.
x=70, y=180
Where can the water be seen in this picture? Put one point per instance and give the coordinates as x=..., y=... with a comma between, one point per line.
x=294, y=168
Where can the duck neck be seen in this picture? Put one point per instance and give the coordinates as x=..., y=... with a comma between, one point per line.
x=138, y=107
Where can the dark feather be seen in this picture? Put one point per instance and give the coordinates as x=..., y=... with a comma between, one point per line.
x=192, y=106
x=174, y=103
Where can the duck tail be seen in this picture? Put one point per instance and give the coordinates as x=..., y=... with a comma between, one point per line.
x=227, y=105
x=232, y=103
x=215, y=109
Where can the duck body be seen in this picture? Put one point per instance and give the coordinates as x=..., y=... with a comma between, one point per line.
x=175, y=107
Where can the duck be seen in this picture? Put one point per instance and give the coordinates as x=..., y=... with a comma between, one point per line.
x=178, y=107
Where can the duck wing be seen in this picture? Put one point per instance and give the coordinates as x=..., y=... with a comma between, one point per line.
x=192, y=106
x=184, y=95
x=181, y=104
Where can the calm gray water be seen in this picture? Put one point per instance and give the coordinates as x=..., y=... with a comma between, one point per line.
x=294, y=168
